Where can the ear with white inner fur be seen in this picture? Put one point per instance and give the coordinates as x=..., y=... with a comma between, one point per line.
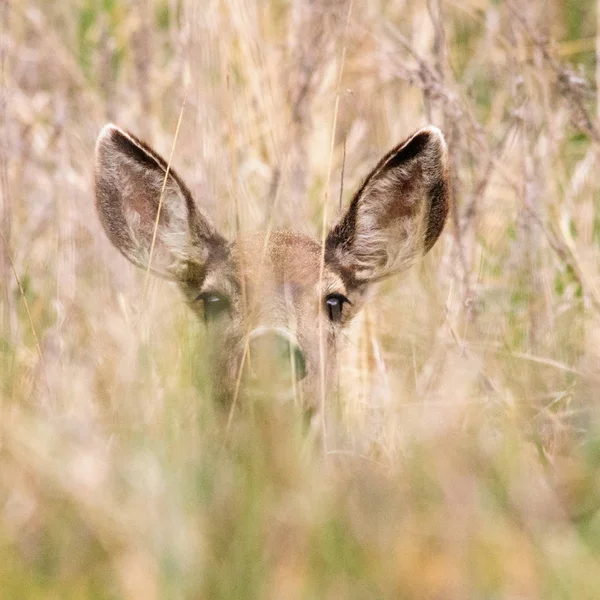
x=129, y=181
x=398, y=213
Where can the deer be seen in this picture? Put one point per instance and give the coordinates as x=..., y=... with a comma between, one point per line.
x=275, y=303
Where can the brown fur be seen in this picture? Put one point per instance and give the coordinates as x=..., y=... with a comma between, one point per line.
x=273, y=284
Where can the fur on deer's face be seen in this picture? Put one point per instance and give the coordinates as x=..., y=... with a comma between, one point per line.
x=275, y=303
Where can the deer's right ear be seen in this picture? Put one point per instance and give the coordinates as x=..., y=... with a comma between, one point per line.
x=130, y=179
x=398, y=213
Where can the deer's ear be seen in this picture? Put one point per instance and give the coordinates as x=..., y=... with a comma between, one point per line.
x=129, y=181
x=398, y=213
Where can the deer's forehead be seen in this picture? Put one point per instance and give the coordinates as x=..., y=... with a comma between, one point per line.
x=281, y=259
x=278, y=256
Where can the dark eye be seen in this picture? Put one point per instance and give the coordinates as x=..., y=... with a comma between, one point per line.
x=214, y=304
x=335, y=304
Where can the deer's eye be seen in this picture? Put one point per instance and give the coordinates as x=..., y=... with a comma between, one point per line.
x=335, y=306
x=214, y=304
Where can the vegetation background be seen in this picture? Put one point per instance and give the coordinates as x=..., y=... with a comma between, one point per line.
x=462, y=457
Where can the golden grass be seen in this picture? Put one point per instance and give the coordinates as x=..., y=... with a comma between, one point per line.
x=462, y=457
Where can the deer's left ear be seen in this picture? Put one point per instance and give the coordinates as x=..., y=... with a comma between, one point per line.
x=398, y=213
x=147, y=211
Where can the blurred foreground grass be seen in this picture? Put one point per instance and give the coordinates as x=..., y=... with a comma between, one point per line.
x=461, y=457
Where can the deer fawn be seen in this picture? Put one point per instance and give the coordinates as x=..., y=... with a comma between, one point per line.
x=275, y=303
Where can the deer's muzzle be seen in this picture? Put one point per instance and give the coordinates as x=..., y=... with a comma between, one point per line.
x=275, y=357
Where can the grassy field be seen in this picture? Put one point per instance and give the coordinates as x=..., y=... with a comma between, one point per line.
x=462, y=454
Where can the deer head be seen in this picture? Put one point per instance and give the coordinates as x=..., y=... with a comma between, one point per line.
x=274, y=303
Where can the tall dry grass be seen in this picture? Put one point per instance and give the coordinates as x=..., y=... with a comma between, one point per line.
x=462, y=456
